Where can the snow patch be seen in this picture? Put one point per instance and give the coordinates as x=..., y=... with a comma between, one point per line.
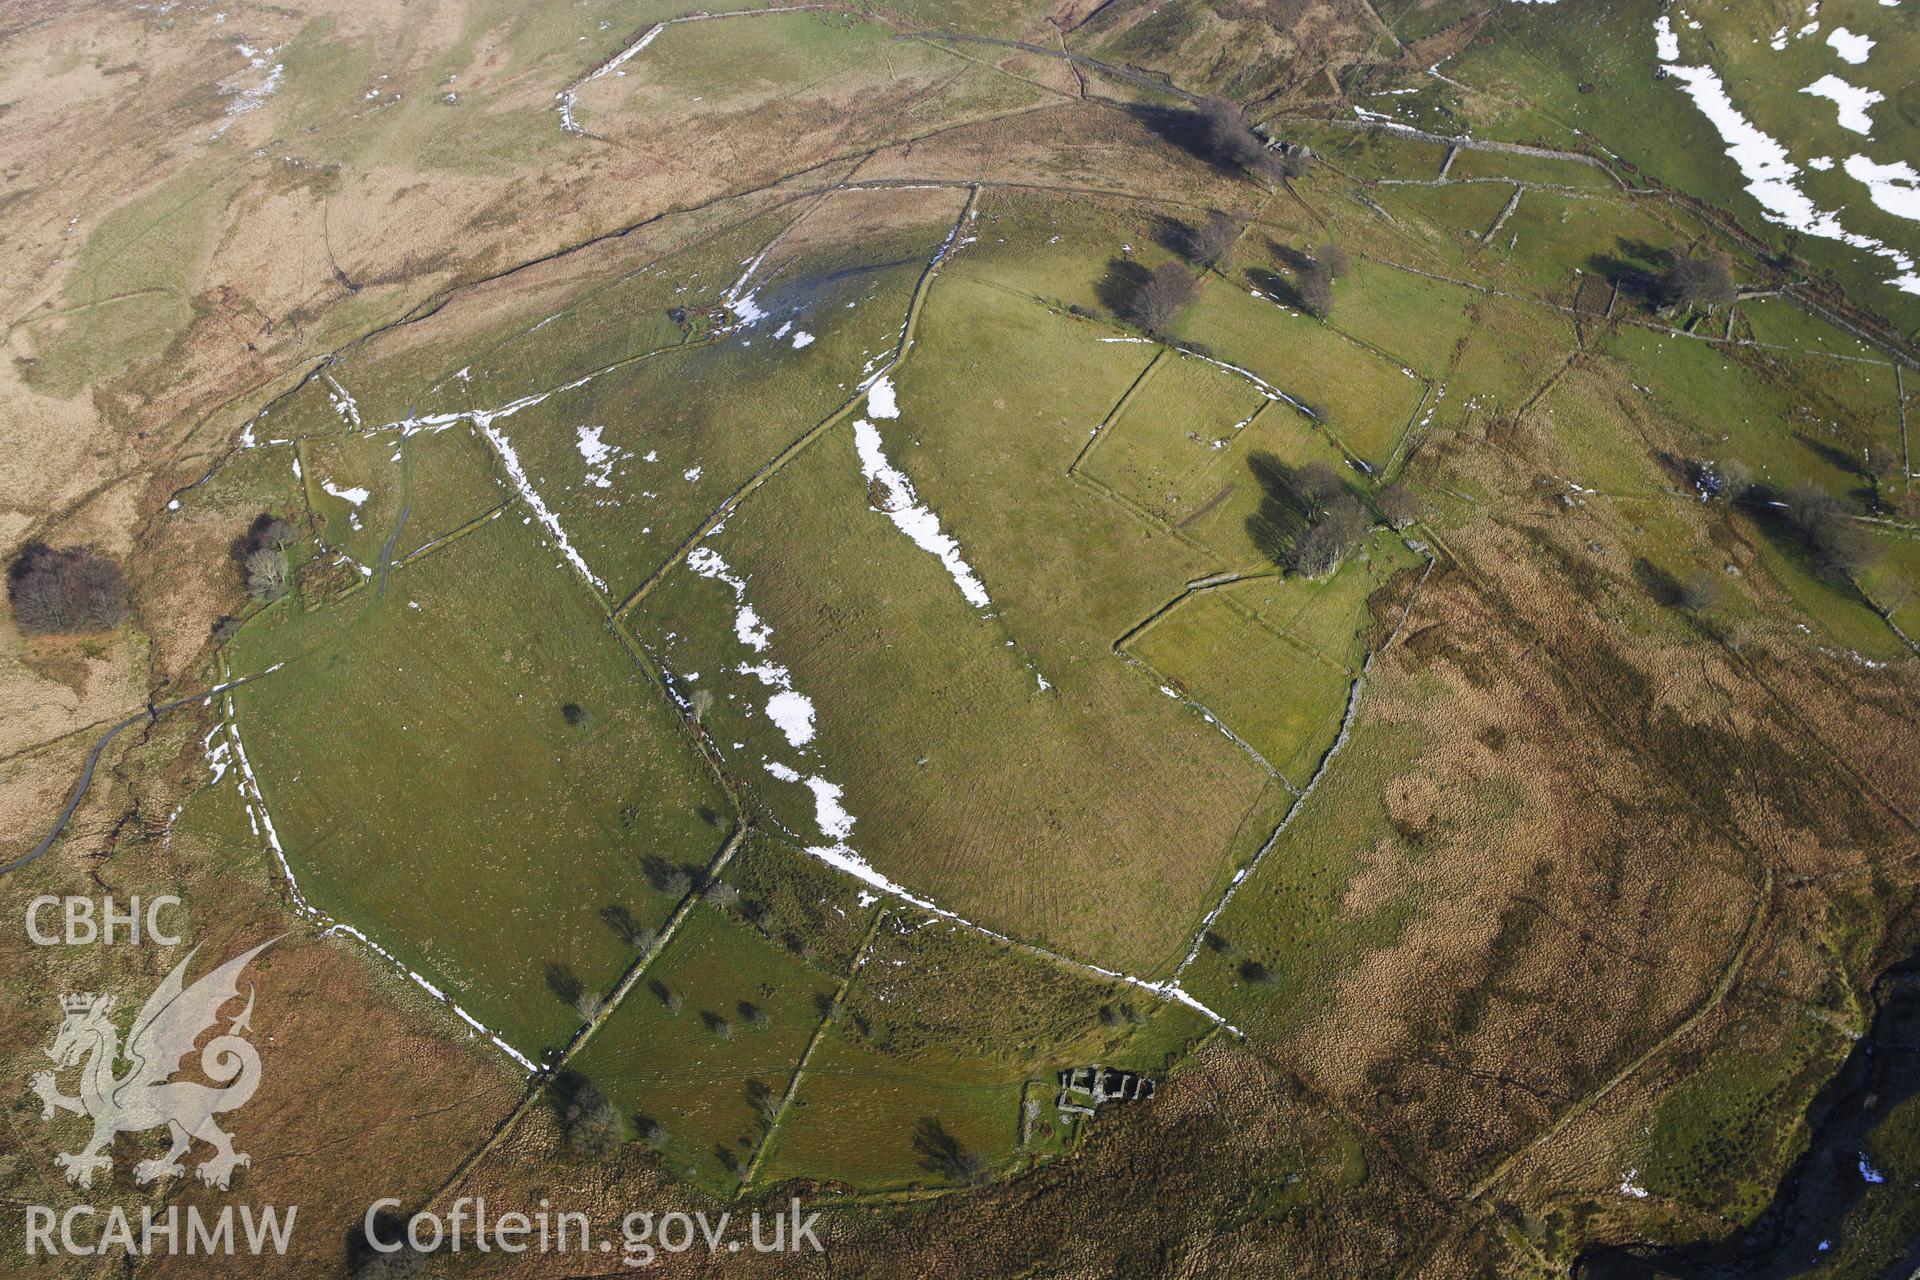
x=1894, y=187
x=600, y=456
x=355, y=496
x=835, y=822
x=1853, y=101
x=246, y=100
x=918, y=522
x=791, y=712
x=1852, y=48
x=1770, y=174
x=1667, y=44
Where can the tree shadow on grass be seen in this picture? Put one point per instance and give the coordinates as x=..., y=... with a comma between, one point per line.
x=1276, y=525
x=1185, y=130
x=1635, y=267
x=1276, y=286
x=1120, y=286
x=1661, y=586
x=1177, y=238
x=942, y=1153
x=563, y=982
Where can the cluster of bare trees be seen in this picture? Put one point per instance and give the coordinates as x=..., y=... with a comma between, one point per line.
x=1230, y=140
x=1309, y=521
x=1829, y=526
x=1831, y=531
x=1703, y=279
x=1163, y=296
x=1314, y=276
x=69, y=589
x=589, y=1125
x=1398, y=506
x=262, y=555
x=1337, y=523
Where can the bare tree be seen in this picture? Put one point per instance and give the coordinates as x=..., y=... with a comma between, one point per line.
x=276, y=533
x=71, y=589
x=1334, y=535
x=1726, y=481
x=1162, y=297
x=628, y=928
x=267, y=573
x=588, y=1123
x=1215, y=239
x=1228, y=137
x=1699, y=592
x=1334, y=258
x=1830, y=528
x=1313, y=282
x=1317, y=485
x=1699, y=280
x=1398, y=505
x=764, y=1101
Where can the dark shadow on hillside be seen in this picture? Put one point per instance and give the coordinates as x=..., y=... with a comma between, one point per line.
x=1275, y=286
x=1120, y=286
x=1830, y=549
x=1661, y=586
x=1177, y=238
x=1184, y=129
x=1635, y=267
x=673, y=880
x=1286, y=255
x=564, y=983
x=799, y=294
x=565, y=1086
x=1276, y=525
x=1867, y=492
x=942, y=1153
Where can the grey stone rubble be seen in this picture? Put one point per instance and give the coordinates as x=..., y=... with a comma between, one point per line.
x=1084, y=1089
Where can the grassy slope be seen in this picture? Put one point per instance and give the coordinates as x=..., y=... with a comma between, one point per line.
x=428, y=790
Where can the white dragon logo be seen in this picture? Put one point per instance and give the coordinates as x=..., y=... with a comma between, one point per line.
x=169, y=1024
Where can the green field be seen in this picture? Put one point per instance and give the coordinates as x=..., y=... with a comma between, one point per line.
x=745, y=1012
x=902, y=563
x=1361, y=398
x=428, y=789
x=948, y=1027
x=919, y=696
